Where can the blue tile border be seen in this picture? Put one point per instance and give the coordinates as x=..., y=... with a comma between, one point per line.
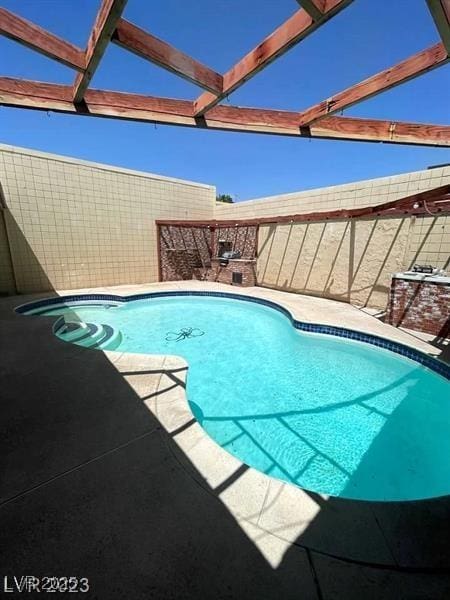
x=416, y=355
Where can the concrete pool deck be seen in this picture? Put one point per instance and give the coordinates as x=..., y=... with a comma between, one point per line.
x=108, y=476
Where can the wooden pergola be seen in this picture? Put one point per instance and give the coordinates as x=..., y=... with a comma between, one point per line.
x=434, y=203
x=318, y=121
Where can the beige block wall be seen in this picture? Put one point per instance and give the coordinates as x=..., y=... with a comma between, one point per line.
x=350, y=261
x=349, y=195
x=74, y=224
x=429, y=242
x=7, y=285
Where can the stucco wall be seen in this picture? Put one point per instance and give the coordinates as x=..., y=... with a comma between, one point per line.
x=342, y=260
x=345, y=260
x=74, y=224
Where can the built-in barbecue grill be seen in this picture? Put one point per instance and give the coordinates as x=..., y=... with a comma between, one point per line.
x=228, y=255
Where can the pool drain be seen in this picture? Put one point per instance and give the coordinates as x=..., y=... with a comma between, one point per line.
x=183, y=334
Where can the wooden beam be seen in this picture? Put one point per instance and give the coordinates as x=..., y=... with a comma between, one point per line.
x=151, y=48
x=46, y=43
x=59, y=98
x=337, y=215
x=408, y=69
x=376, y=130
x=440, y=11
x=33, y=92
x=395, y=208
x=42, y=96
x=344, y=128
x=108, y=15
x=333, y=215
x=290, y=33
x=433, y=195
x=314, y=8
x=122, y=103
x=158, y=251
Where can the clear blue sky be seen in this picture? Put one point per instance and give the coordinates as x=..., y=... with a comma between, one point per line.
x=364, y=39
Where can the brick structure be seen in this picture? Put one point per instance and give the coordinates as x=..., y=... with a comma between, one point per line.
x=183, y=252
x=192, y=253
x=422, y=304
x=224, y=274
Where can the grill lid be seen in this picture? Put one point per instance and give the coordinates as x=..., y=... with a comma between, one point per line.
x=231, y=254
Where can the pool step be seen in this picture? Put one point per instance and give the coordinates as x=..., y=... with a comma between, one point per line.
x=89, y=335
x=72, y=330
x=113, y=341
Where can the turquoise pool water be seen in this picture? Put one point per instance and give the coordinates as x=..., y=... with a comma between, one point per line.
x=331, y=415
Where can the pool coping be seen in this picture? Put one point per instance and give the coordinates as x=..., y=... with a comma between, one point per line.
x=272, y=513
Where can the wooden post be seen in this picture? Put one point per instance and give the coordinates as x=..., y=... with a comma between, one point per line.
x=158, y=245
x=213, y=242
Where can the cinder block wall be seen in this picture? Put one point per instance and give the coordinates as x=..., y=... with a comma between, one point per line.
x=350, y=195
x=7, y=284
x=73, y=224
x=342, y=260
x=429, y=241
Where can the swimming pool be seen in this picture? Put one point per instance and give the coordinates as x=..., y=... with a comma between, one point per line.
x=330, y=414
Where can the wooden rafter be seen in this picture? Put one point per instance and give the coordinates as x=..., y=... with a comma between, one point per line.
x=58, y=98
x=42, y=41
x=314, y=8
x=316, y=122
x=377, y=130
x=440, y=10
x=413, y=66
x=438, y=194
x=439, y=208
x=437, y=199
x=291, y=32
x=108, y=15
x=157, y=51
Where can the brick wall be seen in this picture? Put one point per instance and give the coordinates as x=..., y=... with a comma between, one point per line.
x=183, y=251
x=243, y=239
x=420, y=305
x=190, y=253
x=224, y=274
